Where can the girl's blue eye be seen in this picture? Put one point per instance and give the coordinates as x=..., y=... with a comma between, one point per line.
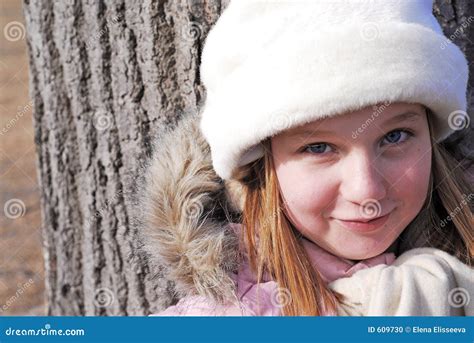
x=394, y=137
x=317, y=148
x=397, y=136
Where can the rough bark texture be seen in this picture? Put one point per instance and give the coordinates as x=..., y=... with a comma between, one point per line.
x=105, y=76
x=457, y=19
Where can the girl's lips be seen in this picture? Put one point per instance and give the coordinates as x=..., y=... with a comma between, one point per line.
x=364, y=227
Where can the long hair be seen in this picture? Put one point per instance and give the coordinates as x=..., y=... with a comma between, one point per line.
x=445, y=221
x=274, y=246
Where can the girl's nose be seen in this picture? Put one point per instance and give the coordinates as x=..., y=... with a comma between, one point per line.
x=362, y=180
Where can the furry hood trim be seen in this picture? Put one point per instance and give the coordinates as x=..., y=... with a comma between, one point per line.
x=185, y=210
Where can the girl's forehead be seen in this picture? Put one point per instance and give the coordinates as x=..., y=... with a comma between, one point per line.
x=380, y=113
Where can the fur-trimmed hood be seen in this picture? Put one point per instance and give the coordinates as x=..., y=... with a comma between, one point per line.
x=186, y=210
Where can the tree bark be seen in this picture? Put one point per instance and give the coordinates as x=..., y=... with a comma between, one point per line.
x=105, y=77
x=457, y=19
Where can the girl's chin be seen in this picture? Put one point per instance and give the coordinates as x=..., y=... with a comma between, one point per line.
x=361, y=247
x=363, y=253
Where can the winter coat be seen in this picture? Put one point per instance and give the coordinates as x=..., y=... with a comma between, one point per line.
x=190, y=226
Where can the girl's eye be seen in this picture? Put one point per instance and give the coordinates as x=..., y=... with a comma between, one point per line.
x=317, y=148
x=397, y=136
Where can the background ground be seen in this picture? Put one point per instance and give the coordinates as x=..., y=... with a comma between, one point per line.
x=21, y=260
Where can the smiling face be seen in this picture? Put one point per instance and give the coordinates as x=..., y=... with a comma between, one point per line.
x=352, y=183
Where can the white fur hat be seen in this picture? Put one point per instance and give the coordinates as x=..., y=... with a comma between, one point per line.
x=271, y=65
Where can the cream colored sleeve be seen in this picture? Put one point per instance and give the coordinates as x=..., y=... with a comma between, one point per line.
x=420, y=282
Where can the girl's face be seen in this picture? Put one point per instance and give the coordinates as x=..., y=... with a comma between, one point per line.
x=338, y=175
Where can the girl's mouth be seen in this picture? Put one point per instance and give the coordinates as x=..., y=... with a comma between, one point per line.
x=364, y=226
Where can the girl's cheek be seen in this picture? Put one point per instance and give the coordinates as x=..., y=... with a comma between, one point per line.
x=306, y=195
x=408, y=178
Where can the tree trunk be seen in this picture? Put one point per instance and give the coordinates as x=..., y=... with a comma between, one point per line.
x=105, y=77
x=457, y=19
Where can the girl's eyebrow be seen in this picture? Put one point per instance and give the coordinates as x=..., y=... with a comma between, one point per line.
x=409, y=115
x=309, y=132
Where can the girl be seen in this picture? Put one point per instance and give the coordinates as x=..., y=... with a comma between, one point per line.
x=325, y=120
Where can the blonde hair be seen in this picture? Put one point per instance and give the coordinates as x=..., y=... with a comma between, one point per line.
x=280, y=253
